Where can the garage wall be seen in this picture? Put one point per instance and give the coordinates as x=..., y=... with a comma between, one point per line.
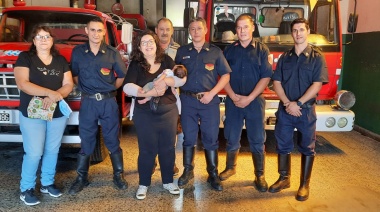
x=361, y=63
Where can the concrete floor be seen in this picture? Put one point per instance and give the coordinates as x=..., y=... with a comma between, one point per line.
x=344, y=178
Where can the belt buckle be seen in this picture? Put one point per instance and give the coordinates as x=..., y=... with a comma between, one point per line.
x=199, y=96
x=98, y=96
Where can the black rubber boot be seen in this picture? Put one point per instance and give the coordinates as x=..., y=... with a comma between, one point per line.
x=230, y=165
x=283, y=182
x=306, y=168
x=82, y=170
x=188, y=164
x=259, y=164
x=212, y=169
x=118, y=170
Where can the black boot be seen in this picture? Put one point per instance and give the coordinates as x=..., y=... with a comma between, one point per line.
x=118, y=170
x=284, y=161
x=188, y=164
x=306, y=167
x=82, y=170
x=212, y=169
x=259, y=164
x=230, y=165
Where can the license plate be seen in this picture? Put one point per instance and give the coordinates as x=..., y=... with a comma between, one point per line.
x=5, y=117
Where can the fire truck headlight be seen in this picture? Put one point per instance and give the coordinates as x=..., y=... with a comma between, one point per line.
x=342, y=122
x=330, y=122
x=344, y=99
x=9, y=65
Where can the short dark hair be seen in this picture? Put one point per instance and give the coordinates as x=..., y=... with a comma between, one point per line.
x=245, y=16
x=300, y=21
x=164, y=19
x=96, y=19
x=203, y=21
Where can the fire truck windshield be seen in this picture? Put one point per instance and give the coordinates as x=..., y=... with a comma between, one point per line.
x=272, y=21
x=16, y=26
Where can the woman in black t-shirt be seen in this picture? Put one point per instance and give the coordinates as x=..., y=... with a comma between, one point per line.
x=155, y=121
x=41, y=72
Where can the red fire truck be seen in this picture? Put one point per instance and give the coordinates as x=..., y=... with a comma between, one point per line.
x=272, y=27
x=68, y=26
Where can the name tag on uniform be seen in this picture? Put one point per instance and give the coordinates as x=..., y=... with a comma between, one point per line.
x=186, y=57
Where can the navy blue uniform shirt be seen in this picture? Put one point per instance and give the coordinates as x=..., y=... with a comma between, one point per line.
x=97, y=73
x=249, y=65
x=203, y=68
x=297, y=73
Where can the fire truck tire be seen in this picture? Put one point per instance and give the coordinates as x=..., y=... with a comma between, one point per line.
x=100, y=151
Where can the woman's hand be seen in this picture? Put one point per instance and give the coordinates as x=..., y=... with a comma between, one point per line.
x=54, y=96
x=47, y=102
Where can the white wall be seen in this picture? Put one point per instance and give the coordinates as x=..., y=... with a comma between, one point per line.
x=368, y=11
x=174, y=11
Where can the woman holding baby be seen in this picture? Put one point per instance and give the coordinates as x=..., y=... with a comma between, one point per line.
x=156, y=128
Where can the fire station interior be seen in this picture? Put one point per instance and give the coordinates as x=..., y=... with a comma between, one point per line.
x=346, y=167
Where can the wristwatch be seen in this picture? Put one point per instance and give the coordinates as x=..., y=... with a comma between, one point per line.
x=299, y=103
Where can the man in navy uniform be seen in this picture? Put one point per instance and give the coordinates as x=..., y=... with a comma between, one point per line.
x=98, y=70
x=200, y=102
x=299, y=76
x=251, y=73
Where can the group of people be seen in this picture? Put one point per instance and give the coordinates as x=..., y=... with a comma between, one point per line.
x=243, y=69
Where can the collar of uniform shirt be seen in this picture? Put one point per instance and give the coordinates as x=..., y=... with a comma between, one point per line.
x=102, y=47
x=306, y=51
x=206, y=46
x=253, y=43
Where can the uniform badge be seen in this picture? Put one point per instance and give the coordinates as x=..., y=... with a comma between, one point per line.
x=186, y=57
x=105, y=71
x=209, y=66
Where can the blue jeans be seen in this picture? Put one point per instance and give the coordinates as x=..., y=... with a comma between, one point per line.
x=40, y=139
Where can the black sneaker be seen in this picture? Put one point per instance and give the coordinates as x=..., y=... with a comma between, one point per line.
x=52, y=190
x=29, y=198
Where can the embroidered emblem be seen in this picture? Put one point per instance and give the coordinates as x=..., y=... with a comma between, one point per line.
x=209, y=66
x=105, y=71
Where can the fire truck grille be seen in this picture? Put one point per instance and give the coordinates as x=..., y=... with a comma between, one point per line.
x=8, y=87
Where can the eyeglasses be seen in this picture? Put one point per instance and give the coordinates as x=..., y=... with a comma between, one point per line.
x=42, y=37
x=146, y=43
x=96, y=30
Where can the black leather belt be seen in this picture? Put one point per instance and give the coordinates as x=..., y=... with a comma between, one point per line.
x=193, y=94
x=99, y=96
